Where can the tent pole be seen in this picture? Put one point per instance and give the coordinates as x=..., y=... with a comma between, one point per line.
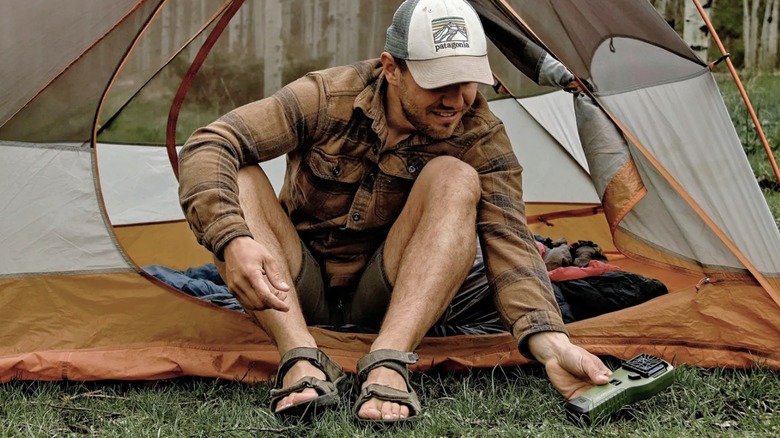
x=757, y=275
x=742, y=91
x=184, y=87
x=192, y=38
x=120, y=65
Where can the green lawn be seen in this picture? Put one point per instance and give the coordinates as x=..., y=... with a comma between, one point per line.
x=507, y=402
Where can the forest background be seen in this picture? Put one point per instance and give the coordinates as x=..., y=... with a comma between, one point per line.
x=747, y=28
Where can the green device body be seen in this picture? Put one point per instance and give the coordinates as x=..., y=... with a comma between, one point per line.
x=637, y=379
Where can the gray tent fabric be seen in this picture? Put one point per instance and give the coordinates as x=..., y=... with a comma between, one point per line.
x=573, y=29
x=723, y=185
x=527, y=55
x=606, y=150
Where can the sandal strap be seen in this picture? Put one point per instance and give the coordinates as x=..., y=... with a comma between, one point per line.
x=321, y=386
x=332, y=370
x=393, y=359
x=386, y=393
x=396, y=361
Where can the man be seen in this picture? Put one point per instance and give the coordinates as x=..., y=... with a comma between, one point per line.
x=396, y=167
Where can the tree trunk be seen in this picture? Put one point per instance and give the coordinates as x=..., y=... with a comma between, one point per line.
x=767, y=49
x=774, y=35
x=662, y=7
x=695, y=32
x=272, y=50
x=746, y=33
x=750, y=25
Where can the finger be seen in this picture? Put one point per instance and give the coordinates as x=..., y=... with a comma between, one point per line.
x=598, y=373
x=591, y=368
x=273, y=302
x=247, y=296
x=270, y=297
x=255, y=300
x=275, y=277
x=250, y=291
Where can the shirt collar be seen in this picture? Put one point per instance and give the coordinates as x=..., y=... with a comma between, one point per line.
x=371, y=102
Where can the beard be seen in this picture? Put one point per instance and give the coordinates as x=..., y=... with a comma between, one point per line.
x=435, y=131
x=416, y=117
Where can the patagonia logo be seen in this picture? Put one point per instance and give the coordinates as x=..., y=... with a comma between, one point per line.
x=450, y=33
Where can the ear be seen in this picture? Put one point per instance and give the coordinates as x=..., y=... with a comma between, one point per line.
x=390, y=68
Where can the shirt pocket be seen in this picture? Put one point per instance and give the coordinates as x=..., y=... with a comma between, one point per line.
x=327, y=183
x=394, y=182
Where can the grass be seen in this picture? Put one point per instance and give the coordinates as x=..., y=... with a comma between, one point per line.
x=509, y=402
x=764, y=94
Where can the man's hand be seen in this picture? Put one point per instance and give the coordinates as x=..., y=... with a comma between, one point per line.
x=573, y=87
x=253, y=276
x=576, y=86
x=571, y=369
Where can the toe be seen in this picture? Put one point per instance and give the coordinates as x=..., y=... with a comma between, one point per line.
x=390, y=411
x=403, y=412
x=369, y=412
x=295, y=398
x=376, y=409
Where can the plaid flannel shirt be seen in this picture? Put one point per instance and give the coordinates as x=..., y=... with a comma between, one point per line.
x=344, y=187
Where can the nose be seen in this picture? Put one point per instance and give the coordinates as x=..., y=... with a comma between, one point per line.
x=453, y=96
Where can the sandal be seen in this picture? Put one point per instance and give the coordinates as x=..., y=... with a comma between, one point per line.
x=396, y=361
x=328, y=390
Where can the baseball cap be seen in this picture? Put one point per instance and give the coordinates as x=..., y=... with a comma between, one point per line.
x=442, y=42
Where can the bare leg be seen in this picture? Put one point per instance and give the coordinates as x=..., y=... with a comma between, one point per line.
x=271, y=227
x=427, y=255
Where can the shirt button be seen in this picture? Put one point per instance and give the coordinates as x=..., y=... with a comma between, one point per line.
x=335, y=171
x=356, y=217
x=412, y=168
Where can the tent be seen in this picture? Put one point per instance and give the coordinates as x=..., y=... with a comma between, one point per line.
x=89, y=195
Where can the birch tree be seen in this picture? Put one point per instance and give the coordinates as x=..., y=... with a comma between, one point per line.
x=695, y=31
x=768, y=44
x=664, y=7
x=750, y=25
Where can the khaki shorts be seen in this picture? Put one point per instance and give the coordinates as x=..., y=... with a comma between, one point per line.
x=364, y=306
x=471, y=312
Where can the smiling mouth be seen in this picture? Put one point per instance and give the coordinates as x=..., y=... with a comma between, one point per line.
x=445, y=114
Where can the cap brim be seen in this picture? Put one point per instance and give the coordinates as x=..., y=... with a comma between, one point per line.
x=440, y=72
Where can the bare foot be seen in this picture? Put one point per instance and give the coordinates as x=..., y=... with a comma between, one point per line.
x=299, y=370
x=375, y=409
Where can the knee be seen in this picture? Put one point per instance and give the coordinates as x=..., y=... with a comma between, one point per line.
x=450, y=177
